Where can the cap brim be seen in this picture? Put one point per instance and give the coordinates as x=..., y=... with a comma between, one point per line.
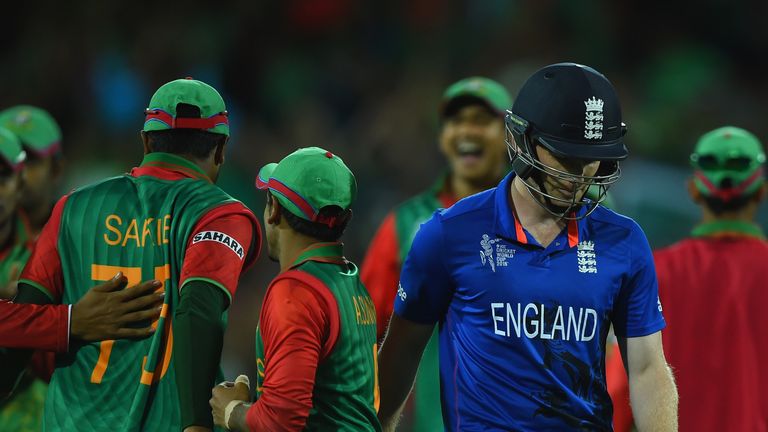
x=451, y=106
x=265, y=173
x=611, y=150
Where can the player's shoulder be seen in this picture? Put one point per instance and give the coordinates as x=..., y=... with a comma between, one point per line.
x=98, y=186
x=607, y=219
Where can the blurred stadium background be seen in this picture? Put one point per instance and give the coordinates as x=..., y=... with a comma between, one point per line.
x=364, y=79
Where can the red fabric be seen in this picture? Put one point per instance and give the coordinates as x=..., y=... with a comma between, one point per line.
x=28, y=326
x=299, y=324
x=713, y=291
x=618, y=388
x=231, y=220
x=380, y=272
x=44, y=265
x=42, y=364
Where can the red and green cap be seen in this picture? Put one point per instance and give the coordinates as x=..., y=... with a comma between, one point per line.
x=728, y=163
x=475, y=89
x=11, y=151
x=161, y=113
x=307, y=180
x=35, y=128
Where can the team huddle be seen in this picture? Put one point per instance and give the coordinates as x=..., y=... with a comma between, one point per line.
x=491, y=299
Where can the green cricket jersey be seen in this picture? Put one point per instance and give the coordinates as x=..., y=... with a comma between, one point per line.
x=139, y=225
x=346, y=384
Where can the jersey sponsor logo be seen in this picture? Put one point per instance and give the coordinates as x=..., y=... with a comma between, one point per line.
x=586, y=257
x=536, y=321
x=220, y=237
x=401, y=292
x=593, y=118
x=493, y=252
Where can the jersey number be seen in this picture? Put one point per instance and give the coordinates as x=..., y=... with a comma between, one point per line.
x=162, y=273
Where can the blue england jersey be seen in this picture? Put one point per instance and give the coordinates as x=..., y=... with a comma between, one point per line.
x=522, y=327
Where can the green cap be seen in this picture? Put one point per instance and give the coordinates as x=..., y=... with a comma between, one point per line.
x=10, y=149
x=34, y=127
x=728, y=163
x=161, y=113
x=307, y=180
x=485, y=90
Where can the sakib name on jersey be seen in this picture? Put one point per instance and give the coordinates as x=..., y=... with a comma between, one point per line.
x=536, y=321
x=219, y=237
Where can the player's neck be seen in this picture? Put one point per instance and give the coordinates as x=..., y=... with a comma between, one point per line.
x=541, y=224
x=745, y=214
x=38, y=214
x=6, y=232
x=292, y=244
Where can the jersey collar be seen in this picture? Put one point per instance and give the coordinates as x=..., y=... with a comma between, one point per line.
x=326, y=252
x=728, y=228
x=173, y=163
x=508, y=226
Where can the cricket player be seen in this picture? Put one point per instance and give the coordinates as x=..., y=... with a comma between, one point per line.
x=524, y=280
x=316, y=340
x=164, y=220
x=713, y=291
x=41, y=138
x=472, y=139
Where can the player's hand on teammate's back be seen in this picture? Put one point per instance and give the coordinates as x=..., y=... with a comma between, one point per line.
x=107, y=311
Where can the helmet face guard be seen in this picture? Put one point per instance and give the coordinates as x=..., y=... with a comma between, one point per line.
x=521, y=140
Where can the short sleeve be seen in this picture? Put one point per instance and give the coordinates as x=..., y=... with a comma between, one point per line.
x=425, y=287
x=637, y=311
x=218, y=249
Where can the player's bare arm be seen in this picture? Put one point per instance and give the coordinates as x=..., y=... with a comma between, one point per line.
x=399, y=359
x=107, y=310
x=651, y=385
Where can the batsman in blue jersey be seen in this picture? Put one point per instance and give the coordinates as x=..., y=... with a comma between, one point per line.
x=525, y=280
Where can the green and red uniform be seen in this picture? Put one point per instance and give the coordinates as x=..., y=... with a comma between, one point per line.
x=381, y=274
x=164, y=220
x=23, y=411
x=316, y=348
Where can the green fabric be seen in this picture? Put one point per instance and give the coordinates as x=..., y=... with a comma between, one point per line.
x=318, y=176
x=728, y=227
x=345, y=395
x=139, y=225
x=728, y=157
x=408, y=217
x=10, y=149
x=488, y=91
x=200, y=336
x=24, y=411
x=13, y=259
x=191, y=92
x=36, y=129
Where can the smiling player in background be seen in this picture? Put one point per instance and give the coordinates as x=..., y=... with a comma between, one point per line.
x=471, y=137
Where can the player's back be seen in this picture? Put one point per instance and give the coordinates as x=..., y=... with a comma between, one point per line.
x=140, y=226
x=713, y=294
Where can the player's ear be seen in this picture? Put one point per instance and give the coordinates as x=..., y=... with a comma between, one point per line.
x=145, y=141
x=694, y=192
x=274, y=212
x=218, y=157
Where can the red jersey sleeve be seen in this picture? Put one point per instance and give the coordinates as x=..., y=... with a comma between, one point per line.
x=299, y=325
x=224, y=243
x=30, y=326
x=43, y=270
x=380, y=272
